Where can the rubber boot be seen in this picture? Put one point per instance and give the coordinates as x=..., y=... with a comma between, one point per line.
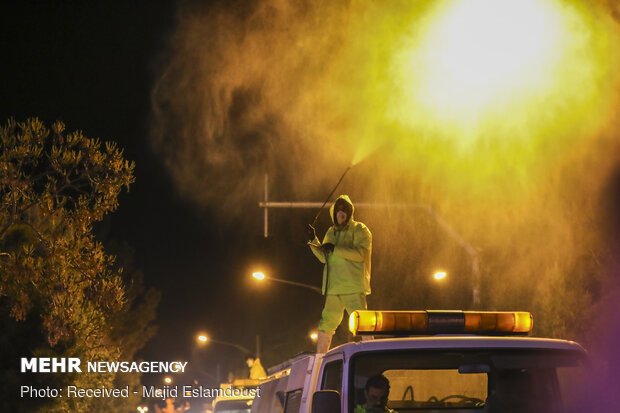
x=323, y=342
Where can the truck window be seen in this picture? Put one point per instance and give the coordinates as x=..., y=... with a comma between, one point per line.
x=272, y=396
x=492, y=380
x=573, y=390
x=449, y=386
x=293, y=401
x=332, y=376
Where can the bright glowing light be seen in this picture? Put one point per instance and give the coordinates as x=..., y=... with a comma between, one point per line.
x=485, y=48
x=314, y=336
x=259, y=275
x=502, y=70
x=143, y=409
x=440, y=275
x=167, y=380
x=202, y=338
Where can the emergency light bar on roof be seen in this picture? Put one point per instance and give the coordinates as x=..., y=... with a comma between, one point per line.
x=440, y=322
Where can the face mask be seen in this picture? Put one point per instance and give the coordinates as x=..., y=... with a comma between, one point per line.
x=341, y=217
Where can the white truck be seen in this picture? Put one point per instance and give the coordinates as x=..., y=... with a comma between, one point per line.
x=236, y=397
x=453, y=367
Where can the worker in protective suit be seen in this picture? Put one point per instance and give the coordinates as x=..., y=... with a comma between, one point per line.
x=345, y=251
x=256, y=368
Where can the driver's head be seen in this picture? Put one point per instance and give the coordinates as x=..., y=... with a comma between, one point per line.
x=377, y=390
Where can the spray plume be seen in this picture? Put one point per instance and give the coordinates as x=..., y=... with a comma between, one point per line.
x=516, y=161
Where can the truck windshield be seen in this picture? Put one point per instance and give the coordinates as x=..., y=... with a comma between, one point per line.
x=467, y=380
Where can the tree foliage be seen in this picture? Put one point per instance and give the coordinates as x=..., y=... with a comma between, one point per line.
x=54, y=274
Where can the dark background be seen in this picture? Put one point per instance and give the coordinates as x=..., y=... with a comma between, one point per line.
x=92, y=65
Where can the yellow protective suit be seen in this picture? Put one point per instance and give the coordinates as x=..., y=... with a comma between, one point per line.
x=346, y=275
x=257, y=371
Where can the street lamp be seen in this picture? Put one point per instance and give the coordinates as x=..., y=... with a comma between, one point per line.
x=143, y=409
x=203, y=338
x=167, y=379
x=261, y=276
x=314, y=336
x=440, y=275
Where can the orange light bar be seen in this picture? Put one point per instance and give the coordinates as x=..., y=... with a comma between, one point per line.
x=371, y=322
x=438, y=322
x=498, y=321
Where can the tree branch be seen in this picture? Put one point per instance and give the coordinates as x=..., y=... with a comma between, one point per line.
x=10, y=221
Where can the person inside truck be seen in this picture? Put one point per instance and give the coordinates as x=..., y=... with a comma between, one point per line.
x=346, y=250
x=376, y=392
x=257, y=371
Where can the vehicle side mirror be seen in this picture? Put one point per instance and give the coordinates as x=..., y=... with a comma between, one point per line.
x=326, y=401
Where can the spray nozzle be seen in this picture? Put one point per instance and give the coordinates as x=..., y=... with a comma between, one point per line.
x=316, y=217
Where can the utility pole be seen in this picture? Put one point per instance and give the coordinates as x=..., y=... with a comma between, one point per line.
x=257, y=346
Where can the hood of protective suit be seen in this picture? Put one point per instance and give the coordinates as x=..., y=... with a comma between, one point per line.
x=332, y=210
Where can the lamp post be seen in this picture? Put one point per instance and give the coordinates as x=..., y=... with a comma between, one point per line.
x=261, y=276
x=203, y=338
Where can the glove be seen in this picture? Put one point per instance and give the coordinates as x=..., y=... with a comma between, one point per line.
x=328, y=248
x=310, y=232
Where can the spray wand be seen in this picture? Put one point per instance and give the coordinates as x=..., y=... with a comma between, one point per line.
x=316, y=218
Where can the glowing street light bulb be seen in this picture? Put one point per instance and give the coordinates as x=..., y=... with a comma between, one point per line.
x=202, y=338
x=440, y=275
x=259, y=275
x=167, y=380
x=314, y=336
x=143, y=409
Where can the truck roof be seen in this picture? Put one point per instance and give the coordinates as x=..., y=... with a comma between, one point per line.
x=454, y=342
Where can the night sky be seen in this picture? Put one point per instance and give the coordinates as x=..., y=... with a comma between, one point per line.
x=92, y=65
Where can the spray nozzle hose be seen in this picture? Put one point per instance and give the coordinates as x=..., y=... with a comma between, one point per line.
x=316, y=217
